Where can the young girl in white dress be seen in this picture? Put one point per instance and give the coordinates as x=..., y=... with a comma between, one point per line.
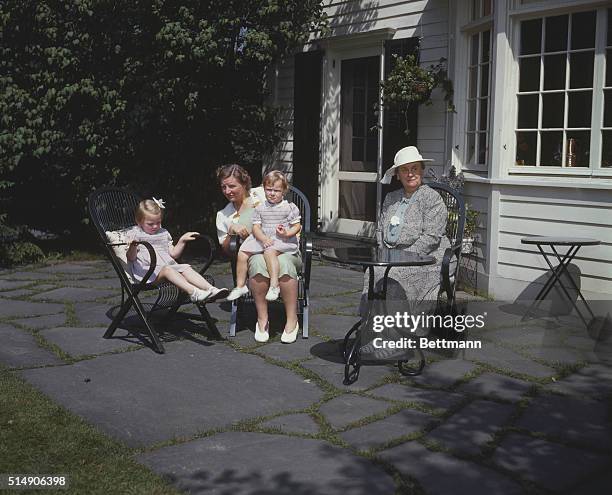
x=276, y=224
x=148, y=228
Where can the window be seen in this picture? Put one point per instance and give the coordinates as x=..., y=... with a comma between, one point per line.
x=560, y=88
x=478, y=98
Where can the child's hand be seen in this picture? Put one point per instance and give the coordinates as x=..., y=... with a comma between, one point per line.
x=189, y=236
x=268, y=242
x=281, y=231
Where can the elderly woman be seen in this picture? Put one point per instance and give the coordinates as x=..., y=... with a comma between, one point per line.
x=413, y=218
x=236, y=219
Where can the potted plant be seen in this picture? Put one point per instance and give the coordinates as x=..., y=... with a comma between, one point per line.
x=409, y=83
x=469, y=231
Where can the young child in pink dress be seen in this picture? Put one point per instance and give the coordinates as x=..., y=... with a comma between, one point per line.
x=148, y=218
x=276, y=224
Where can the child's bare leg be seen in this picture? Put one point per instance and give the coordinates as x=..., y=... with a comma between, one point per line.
x=175, y=278
x=271, y=257
x=196, y=279
x=242, y=268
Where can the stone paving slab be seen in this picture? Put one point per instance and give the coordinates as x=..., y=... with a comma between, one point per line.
x=98, y=283
x=443, y=474
x=70, y=268
x=444, y=374
x=74, y=294
x=472, y=427
x=508, y=360
x=583, y=421
x=10, y=308
x=333, y=326
x=92, y=314
x=348, y=408
x=435, y=399
x=300, y=349
x=594, y=381
x=528, y=335
x=19, y=293
x=6, y=285
x=30, y=276
x=558, y=355
x=79, y=341
x=19, y=349
x=497, y=386
x=333, y=372
x=551, y=465
x=380, y=432
x=293, y=423
x=256, y=463
x=46, y=321
x=143, y=398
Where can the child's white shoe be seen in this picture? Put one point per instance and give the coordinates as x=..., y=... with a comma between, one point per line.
x=273, y=293
x=198, y=295
x=237, y=292
x=214, y=294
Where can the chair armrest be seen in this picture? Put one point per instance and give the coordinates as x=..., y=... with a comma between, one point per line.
x=307, y=249
x=152, y=256
x=445, y=270
x=210, y=246
x=234, y=245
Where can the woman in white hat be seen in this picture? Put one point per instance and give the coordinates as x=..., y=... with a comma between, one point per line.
x=413, y=218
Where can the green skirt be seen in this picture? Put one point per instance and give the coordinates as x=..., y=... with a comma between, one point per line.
x=289, y=265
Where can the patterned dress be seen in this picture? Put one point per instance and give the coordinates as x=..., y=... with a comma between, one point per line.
x=417, y=223
x=161, y=242
x=269, y=216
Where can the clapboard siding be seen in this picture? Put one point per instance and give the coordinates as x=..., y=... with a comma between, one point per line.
x=556, y=212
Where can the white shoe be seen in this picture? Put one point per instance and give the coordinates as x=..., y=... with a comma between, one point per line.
x=215, y=294
x=198, y=295
x=262, y=336
x=273, y=293
x=290, y=337
x=237, y=292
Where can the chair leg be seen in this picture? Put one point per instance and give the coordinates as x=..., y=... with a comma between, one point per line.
x=155, y=341
x=305, y=320
x=210, y=323
x=125, y=307
x=233, y=319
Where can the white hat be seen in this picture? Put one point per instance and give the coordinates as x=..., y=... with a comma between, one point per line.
x=408, y=154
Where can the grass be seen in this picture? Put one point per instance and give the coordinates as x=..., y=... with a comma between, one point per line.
x=40, y=437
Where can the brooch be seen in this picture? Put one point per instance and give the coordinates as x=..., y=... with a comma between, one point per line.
x=394, y=221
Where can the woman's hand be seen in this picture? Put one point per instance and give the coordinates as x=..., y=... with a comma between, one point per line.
x=239, y=230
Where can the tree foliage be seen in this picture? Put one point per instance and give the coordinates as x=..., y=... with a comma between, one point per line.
x=150, y=93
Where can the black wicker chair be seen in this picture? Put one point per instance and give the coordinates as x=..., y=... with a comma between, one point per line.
x=112, y=212
x=296, y=196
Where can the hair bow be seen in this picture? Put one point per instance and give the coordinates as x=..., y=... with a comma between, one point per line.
x=160, y=202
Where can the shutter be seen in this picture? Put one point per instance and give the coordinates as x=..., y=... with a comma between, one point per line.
x=306, y=125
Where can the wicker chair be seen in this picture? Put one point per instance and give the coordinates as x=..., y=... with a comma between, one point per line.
x=296, y=196
x=112, y=213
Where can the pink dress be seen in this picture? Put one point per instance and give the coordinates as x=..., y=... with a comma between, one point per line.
x=268, y=216
x=161, y=242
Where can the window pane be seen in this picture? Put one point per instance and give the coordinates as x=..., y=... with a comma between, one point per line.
x=355, y=200
x=581, y=70
x=556, y=34
x=482, y=120
x=528, y=112
x=472, y=115
x=486, y=7
x=609, y=68
x=607, y=120
x=482, y=147
x=583, y=30
x=471, y=147
x=554, y=72
x=484, y=80
x=371, y=149
x=577, y=148
x=475, y=9
x=526, y=143
x=357, y=150
x=473, y=81
x=551, y=148
x=529, y=74
x=486, y=48
x=474, y=50
x=358, y=125
x=580, y=109
x=606, y=149
x=531, y=36
x=358, y=100
x=609, y=27
x=553, y=106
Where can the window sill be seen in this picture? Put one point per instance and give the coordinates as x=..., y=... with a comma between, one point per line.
x=545, y=181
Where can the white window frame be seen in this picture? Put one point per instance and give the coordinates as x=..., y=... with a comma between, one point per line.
x=542, y=9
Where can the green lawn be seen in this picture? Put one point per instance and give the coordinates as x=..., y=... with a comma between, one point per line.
x=40, y=437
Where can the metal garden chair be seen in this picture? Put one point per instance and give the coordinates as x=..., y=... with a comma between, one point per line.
x=294, y=195
x=112, y=213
